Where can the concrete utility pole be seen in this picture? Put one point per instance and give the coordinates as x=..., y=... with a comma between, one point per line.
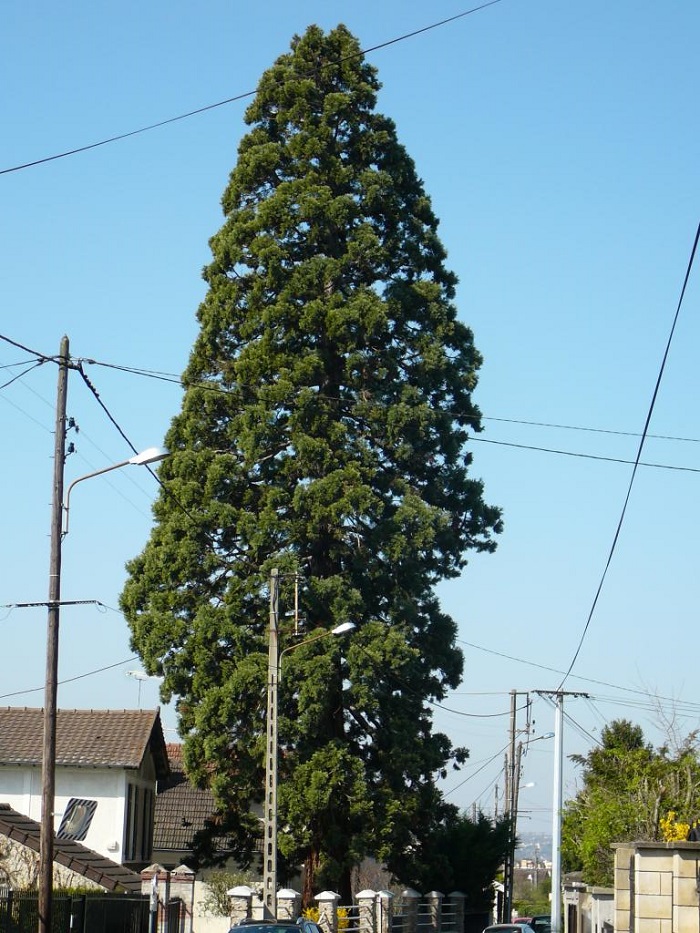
x=557, y=799
x=270, y=811
x=48, y=768
x=557, y=795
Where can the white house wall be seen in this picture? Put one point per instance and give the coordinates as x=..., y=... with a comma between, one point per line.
x=21, y=788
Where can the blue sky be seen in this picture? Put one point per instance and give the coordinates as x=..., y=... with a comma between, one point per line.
x=559, y=144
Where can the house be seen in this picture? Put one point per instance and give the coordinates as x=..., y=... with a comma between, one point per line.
x=182, y=811
x=108, y=763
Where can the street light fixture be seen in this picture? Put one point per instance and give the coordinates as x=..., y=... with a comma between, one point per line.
x=272, y=747
x=149, y=455
x=59, y=529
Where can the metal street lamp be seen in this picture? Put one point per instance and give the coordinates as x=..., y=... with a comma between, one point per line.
x=59, y=529
x=272, y=747
x=149, y=455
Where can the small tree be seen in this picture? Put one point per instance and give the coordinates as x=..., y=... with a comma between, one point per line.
x=628, y=790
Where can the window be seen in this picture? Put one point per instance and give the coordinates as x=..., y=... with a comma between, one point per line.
x=76, y=819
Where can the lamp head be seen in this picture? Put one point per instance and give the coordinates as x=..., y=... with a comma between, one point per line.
x=343, y=628
x=150, y=455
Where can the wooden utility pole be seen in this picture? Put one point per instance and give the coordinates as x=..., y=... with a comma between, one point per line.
x=512, y=779
x=48, y=772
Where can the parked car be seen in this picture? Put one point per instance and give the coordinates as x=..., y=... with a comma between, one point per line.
x=249, y=925
x=515, y=927
x=542, y=923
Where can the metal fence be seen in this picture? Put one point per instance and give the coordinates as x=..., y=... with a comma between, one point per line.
x=87, y=913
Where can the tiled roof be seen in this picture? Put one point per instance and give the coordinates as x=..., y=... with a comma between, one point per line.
x=85, y=738
x=73, y=855
x=181, y=809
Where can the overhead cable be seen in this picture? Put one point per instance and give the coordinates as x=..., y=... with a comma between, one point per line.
x=236, y=97
x=647, y=421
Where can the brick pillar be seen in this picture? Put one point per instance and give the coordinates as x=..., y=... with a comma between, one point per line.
x=155, y=881
x=328, y=911
x=410, y=899
x=182, y=886
x=457, y=899
x=385, y=905
x=435, y=899
x=367, y=916
x=240, y=899
x=288, y=904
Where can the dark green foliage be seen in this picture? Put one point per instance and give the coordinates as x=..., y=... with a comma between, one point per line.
x=628, y=788
x=460, y=854
x=323, y=428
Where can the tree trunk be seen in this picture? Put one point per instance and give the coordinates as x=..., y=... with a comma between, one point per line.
x=308, y=891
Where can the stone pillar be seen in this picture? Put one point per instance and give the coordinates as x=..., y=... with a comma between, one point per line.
x=182, y=886
x=288, y=904
x=328, y=911
x=240, y=899
x=367, y=919
x=686, y=895
x=457, y=901
x=410, y=899
x=434, y=903
x=624, y=859
x=385, y=906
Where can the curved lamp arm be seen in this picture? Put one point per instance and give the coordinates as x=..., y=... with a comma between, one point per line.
x=338, y=630
x=150, y=455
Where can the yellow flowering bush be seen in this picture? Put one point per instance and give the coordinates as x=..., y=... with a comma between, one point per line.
x=311, y=913
x=672, y=830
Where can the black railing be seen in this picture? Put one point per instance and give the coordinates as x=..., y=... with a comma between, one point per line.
x=86, y=913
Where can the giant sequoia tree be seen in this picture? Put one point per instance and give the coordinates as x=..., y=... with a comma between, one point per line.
x=323, y=431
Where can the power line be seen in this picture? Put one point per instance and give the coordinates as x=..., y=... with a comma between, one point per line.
x=21, y=346
x=478, y=771
x=237, y=97
x=554, y=670
x=14, y=365
x=173, y=378
x=579, y=427
x=104, y=408
x=209, y=387
x=70, y=680
x=650, y=411
x=23, y=373
x=570, y=453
